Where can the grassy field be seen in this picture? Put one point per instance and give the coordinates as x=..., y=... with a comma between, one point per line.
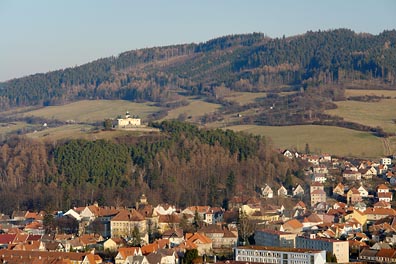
x=195, y=109
x=13, y=127
x=93, y=110
x=373, y=114
x=63, y=132
x=244, y=98
x=334, y=140
x=385, y=93
x=74, y=131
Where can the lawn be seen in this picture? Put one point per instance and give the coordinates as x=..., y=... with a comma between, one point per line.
x=94, y=110
x=335, y=140
x=382, y=114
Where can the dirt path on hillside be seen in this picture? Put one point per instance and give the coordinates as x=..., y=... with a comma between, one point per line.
x=387, y=147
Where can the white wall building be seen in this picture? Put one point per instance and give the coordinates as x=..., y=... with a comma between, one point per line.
x=263, y=254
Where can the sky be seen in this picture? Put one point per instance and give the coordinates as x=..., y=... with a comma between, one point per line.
x=38, y=36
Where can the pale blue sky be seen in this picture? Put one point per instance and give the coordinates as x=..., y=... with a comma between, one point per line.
x=46, y=35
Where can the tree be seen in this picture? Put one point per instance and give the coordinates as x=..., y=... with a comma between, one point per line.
x=48, y=223
x=136, y=239
x=190, y=255
x=331, y=258
x=245, y=228
x=108, y=124
x=307, y=150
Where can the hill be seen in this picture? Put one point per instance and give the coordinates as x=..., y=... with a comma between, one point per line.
x=182, y=165
x=250, y=62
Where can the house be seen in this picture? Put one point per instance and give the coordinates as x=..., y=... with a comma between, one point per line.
x=386, y=161
x=382, y=188
x=298, y=191
x=363, y=191
x=374, y=214
x=385, y=197
x=282, y=191
x=325, y=157
x=382, y=169
x=223, y=239
x=125, y=222
x=262, y=254
x=287, y=153
x=112, y=244
x=292, y=226
x=368, y=173
x=21, y=256
x=200, y=242
x=267, y=192
x=162, y=256
x=128, y=121
x=166, y=222
x=174, y=235
x=319, y=177
x=125, y=252
x=339, y=189
x=164, y=209
x=382, y=204
x=378, y=256
x=316, y=186
x=353, y=196
x=320, y=169
x=318, y=196
x=214, y=215
x=313, y=159
x=137, y=260
x=351, y=175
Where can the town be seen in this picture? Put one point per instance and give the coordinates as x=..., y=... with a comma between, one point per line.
x=345, y=215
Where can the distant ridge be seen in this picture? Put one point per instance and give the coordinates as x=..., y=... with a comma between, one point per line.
x=247, y=62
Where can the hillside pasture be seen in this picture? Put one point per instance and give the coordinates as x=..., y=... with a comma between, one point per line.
x=193, y=110
x=93, y=110
x=381, y=114
x=13, y=127
x=357, y=92
x=244, y=98
x=335, y=140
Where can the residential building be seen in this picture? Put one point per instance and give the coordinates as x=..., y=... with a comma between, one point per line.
x=378, y=256
x=351, y=175
x=125, y=222
x=386, y=161
x=339, y=189
x=353, y=196
x=282, y=191
x=337, y=247
x=385, y=197
x=267, y=192
x=298, y=191
x=274, y=238
x=223, y=239
x=318, y=196
x=292, y=226
x=363, y=191
x=262, y=254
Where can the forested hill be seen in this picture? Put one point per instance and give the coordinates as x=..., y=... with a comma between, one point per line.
x=251, y=62
x=182, y=165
